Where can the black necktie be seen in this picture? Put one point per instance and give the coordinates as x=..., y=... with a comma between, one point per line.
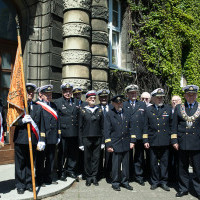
x=120, y=114
x=190, y=106
x=104, y=110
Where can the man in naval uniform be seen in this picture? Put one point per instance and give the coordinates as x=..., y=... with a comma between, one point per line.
x=138, y=109
x=104, y=168
x=91, y=137
x=119, y=139
x=45, y=159
x=186, y=139
x=22, y=156
x=157, y=132
x=68, y=111
x=77, y=93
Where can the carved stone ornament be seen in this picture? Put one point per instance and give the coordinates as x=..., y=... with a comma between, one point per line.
x=77, y=4
x=76, y=57
x=99, y=12
x=100, y=62
x=100, y=37
x=76, y=29
x=79, y=83
x=99, y=85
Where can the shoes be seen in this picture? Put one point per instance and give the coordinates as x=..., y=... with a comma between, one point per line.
x=30, y=189
x=140, y=182
x=165, y=187
x=54, y=182
x=63, y=178
x=51, y=182
x=181, y=193
x=153, y=187
x=88, y=182
x=20, y=190
x=72, y=175
x=95, y=182
x=40, y=184
x=116, y=188
x=128, y=187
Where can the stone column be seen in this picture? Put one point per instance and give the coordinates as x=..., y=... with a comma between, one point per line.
x=99, y=45
x=76, y=55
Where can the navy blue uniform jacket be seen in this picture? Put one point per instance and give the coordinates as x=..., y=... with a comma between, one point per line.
x=187, y=138
x=118, y=131
x=157, y=128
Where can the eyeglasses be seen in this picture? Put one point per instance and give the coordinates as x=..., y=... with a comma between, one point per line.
x=145, y=99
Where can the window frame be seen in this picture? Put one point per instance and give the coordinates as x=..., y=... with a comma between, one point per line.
x=117, y=30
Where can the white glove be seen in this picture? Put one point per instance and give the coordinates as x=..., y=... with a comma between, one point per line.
x=102, y=146
x=41, y=146
x=27, y=119
x=81, y=148
x=58, y=141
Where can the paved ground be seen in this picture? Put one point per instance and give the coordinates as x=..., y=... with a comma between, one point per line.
x=71, y=190
x=79, y=191
x=8, y=191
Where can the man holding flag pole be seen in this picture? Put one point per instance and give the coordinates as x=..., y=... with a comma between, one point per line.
x=27, y=120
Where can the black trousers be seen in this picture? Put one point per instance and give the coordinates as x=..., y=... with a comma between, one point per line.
x=184, y=157
x=173, y=164
x=45, y=164
x=23, y=177
x=101, y=164
x=159, y=169
x=92, y=151
x=138, y=163
x=120, y=176
x=108, y=165
x=68, y=153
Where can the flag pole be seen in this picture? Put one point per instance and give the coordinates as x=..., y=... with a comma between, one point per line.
x=26, y=108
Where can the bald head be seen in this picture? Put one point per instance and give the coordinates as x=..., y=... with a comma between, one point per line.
x=175, y=100
x=145, y=97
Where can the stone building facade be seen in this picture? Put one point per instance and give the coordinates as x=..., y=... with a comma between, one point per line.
x=76, y=41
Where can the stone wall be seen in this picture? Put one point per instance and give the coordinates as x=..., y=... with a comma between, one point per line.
x=41, y=32
x=76, y=55
x=126, y=54
x=67, y=41
x=99, y=45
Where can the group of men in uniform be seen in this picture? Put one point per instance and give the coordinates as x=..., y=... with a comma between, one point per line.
x=83, y=130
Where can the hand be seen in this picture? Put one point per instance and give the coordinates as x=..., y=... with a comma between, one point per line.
x=176, y=146
x=27, y=119
x=102, y=146
x=41, y=146
x=110, y=149
x=81, y=148
x=58, y=141
x=146, y=145
x=1, y=144
x=132, y=145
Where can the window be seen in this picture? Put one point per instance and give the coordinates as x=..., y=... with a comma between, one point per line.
x=114, y=26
